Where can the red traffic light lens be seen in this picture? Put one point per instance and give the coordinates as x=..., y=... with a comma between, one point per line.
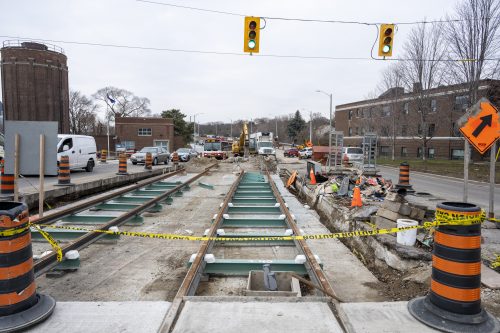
x=388, y=31
x=252, y=25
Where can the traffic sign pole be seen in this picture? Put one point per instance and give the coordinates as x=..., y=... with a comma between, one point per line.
x=466, y=170
x=493, y=150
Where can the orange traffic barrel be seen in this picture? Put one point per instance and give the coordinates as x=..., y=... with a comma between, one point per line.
x=122, y=164
x=6, y=184
x=104, y=156
x=63, y=175
x=20, y=305
x=404, y=177
x=148, y=163
x=454, y=301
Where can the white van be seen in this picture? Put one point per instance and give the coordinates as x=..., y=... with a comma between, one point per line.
x=81, y=150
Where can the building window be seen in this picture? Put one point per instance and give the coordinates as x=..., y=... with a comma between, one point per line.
x=350, y=131
x=431, y=153
x=433, y=105
x=457, y=154
x=350, y=114
x=358, y=113
x=386, y=111
x=384, y=151
x=432, y=129
x=406, y=108
x=404, y=152
x=144, y=132
x=404, y=130
x=366, y=113
x=461, y=102
x=419, y=152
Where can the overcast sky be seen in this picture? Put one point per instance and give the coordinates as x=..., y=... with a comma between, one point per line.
x=219, y=86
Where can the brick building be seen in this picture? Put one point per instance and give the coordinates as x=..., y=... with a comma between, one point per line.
x=400, y=110
x=138, y=132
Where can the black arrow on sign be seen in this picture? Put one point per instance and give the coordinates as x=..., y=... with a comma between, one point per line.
x=486, y=121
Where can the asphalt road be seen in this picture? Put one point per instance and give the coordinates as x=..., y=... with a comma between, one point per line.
x=447, y=188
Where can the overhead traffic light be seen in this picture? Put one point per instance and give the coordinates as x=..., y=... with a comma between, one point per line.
x=386, y=40
x=252, y=34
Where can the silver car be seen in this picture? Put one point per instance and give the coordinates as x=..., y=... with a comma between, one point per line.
x=185, y=154
x=159, y=155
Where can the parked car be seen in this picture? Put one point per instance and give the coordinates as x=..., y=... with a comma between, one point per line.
x=159, y=155
x=185, y=154
x=352, y=155
x=81, y=150
x=291, y=152
x=306, y=153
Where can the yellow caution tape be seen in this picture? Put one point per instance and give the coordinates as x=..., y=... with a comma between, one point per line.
x=442, y=218
x=51, y=241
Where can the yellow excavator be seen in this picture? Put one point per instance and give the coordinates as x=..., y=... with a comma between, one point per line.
x=239, y=145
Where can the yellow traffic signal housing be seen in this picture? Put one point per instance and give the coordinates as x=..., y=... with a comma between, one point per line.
x=252, y=34
x=386, y=40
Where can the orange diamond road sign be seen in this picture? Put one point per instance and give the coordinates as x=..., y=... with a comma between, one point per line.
x=483, y=128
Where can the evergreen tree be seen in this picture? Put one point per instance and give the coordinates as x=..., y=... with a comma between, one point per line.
x=295, y=126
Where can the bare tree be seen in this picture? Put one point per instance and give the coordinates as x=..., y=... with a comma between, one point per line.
x=125, y=104
x=474, y=38
x=425, y=52
x=392, y=82
x=82, y=113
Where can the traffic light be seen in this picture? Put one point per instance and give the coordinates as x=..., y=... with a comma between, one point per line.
x=386, y=40
x=252, y=34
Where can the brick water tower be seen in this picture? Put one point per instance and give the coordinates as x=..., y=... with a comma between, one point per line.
x=35, y=83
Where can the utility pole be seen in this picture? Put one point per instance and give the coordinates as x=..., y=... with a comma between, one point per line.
x=310, y=126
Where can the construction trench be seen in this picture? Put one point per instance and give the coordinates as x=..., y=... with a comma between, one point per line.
x=233, y=281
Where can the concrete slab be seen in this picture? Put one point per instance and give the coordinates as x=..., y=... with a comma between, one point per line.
x=351, y=280
x=253, y=316
x=370, y=317
x=110, y=317
x=489, y=277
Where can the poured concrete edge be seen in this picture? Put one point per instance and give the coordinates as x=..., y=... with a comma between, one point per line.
x=87, y=188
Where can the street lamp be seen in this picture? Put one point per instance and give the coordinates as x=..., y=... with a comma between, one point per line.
x=330, y=132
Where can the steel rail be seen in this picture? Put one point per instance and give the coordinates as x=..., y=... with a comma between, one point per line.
x=50, y=260
x=192, y=278
x=53, y=217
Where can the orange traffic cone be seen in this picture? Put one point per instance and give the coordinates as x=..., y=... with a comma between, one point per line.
x=356, y=198
x=312, y=177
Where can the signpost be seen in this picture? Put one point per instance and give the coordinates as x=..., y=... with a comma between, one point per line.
x=481, y=127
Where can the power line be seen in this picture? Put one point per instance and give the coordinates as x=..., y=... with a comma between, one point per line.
x=289, y=56
x=302, y=19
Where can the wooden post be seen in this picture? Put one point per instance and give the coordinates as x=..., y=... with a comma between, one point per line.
x=493, y=149
x=16, y=167
x=41, y=190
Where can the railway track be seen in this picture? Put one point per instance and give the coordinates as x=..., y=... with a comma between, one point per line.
x=252, y=213
x=112, y=210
